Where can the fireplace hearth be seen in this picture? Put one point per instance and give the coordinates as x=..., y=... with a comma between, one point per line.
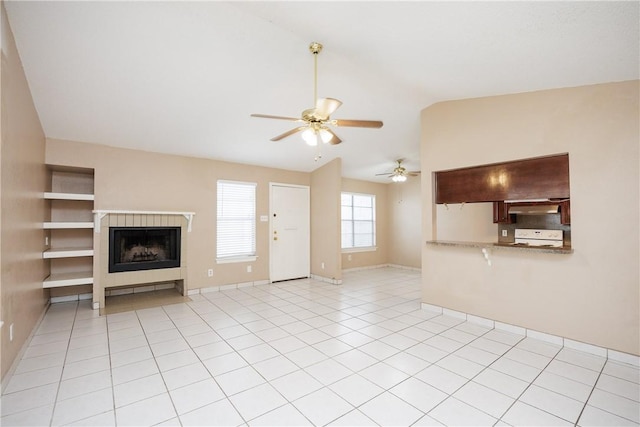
x=143, y=248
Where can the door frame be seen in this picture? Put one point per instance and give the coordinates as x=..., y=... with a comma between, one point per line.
x=281, y=184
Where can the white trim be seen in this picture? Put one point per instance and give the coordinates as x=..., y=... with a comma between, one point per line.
x=587, y=348
x=618, y=356
x=517, y=330
x=431, y=307
x=454, y=313
x=16, y=361
x=610, y=354
x=374, y=221
x=363, y=249
x=370, y=267
x=98, y=214
x=233, y=181
x=481, y=321
x=270, y=216
x=231, y=260
x=552, y=339
x=326, y=279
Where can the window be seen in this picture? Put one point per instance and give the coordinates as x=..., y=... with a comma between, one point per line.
x=236, y=236
x=358, y=221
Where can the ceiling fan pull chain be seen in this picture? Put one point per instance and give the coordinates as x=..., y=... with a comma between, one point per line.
x=318, y=152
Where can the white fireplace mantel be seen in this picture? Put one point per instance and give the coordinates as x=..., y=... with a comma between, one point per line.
x=101, y=213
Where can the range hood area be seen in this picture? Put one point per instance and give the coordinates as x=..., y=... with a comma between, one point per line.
x=509, y=211
x=534, y=209
x=537, y=207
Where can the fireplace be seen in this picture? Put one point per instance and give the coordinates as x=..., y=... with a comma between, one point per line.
x=143, y=248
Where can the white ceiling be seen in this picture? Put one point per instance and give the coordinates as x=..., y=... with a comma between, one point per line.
x=183, y=77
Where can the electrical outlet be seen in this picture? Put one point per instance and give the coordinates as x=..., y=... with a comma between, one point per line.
x=11, y=332
x=504, y=233
x=322, y=265
x=46, y=240
x=349, y=257
x=210, y=272
x=248, y=269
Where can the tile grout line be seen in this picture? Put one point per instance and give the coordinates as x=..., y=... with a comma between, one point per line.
x=55, y=400
x=227, y=397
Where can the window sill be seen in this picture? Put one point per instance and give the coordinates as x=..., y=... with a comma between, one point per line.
x=353, y=250
x=232, y=260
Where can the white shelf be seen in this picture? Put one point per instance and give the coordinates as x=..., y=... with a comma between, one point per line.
x=68, y=196
x=67, y=253
x=68, y=279
x=66, y=225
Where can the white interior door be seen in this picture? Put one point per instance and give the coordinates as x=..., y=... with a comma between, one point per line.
x=290, y=247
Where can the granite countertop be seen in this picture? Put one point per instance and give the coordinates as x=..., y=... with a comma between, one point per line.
x=501, y=246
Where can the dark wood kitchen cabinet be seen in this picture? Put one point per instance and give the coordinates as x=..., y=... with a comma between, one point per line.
x=501, y=213
x=536, y=178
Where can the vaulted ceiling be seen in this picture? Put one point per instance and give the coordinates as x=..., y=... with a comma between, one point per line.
x=183, y=77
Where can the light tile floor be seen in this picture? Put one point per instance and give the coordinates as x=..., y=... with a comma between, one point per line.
x=303, y=353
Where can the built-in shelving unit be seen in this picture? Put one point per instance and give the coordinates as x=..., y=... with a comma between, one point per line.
x=67, y=253
x=67, y=225
x=68, y=196
x=69, y=240
x=68, y=279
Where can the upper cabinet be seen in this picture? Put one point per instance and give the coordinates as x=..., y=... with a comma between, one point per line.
x=529, y=179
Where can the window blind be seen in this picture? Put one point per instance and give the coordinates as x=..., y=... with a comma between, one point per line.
x=358, y=215
x=236, y=223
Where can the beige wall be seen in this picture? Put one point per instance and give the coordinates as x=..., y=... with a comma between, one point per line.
x=590, y=296
x=326, y=183
x=405, y=219
x=23, y=180
x=380, y=255
x=138, y=180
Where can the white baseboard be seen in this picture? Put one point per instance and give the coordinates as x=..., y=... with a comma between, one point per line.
x=330, y=280
x=615, y=355
x=23, y=349
x=370, y=267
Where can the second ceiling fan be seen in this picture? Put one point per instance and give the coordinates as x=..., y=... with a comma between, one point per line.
x=316, y=121
x=399, y=173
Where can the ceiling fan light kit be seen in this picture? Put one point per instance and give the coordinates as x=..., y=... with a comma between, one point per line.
x=316, y=120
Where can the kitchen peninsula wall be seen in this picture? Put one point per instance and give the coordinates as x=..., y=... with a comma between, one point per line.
x=590, y=295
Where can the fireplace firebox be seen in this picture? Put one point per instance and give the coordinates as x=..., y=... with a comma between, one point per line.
x=143, y=248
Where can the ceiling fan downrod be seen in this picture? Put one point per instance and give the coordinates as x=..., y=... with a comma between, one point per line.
x=315, y=48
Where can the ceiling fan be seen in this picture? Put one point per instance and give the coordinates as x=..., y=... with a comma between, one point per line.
x=399, y=173
x=315, y=121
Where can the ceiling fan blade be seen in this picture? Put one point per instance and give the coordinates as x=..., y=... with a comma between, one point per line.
x=335, y=139
x=289, y=133
x=383, y=174
x=325, y=107
x=358, y=123
x=413, y=173
x=267, y=116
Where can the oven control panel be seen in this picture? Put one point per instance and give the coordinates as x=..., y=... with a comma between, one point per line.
x=535, y=237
